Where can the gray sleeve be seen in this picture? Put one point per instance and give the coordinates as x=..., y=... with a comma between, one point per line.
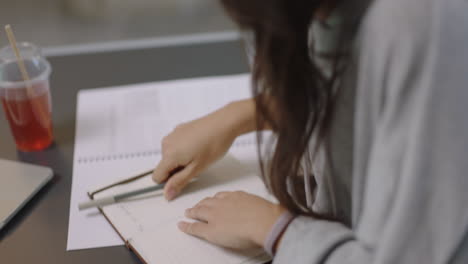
x=413, y=77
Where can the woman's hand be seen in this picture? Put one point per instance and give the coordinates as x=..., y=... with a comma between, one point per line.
x=232, y=219
x=193, y=146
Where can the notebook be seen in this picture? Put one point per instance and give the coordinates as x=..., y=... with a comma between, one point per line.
x=148, y=223
x=118, y=134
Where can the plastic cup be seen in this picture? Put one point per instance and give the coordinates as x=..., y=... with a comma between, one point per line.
x=27, y=104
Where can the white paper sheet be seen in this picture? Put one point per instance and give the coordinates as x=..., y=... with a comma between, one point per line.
x=118, y=134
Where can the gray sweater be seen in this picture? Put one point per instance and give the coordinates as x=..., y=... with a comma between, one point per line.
x=399, y=148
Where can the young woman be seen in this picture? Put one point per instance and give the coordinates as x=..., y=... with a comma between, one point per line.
x=367, y=100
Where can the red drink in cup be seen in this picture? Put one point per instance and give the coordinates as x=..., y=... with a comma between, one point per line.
x=29, y=116
x=27, y=104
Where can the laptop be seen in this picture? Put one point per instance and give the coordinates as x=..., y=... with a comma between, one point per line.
x=19, y=182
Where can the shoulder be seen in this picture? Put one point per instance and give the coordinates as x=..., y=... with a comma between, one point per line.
x=397, y=19
x=412, y=47
x=416, y=18
x=404, y=32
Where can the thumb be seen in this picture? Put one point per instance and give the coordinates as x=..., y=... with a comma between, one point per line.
x=178, y=181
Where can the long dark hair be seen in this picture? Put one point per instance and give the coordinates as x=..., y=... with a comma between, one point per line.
x=284, y=75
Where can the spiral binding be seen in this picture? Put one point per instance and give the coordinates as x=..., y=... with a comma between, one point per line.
x=149, y=153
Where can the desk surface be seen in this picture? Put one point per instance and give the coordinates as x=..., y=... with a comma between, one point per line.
x=38, y=234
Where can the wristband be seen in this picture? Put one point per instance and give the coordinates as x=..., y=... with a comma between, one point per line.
x=278, y=228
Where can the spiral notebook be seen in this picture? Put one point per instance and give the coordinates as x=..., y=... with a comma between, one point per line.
x=148, y=223
x=118, y=134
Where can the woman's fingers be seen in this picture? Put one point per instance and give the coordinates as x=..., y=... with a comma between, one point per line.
x=222, y=195
x=232, y=219
x=178, y=181
x=199, y=212
x=198, y=229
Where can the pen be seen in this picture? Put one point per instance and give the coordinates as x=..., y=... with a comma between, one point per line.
x=115, y=198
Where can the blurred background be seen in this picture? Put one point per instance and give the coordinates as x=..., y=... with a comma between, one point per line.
x=56, y=23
